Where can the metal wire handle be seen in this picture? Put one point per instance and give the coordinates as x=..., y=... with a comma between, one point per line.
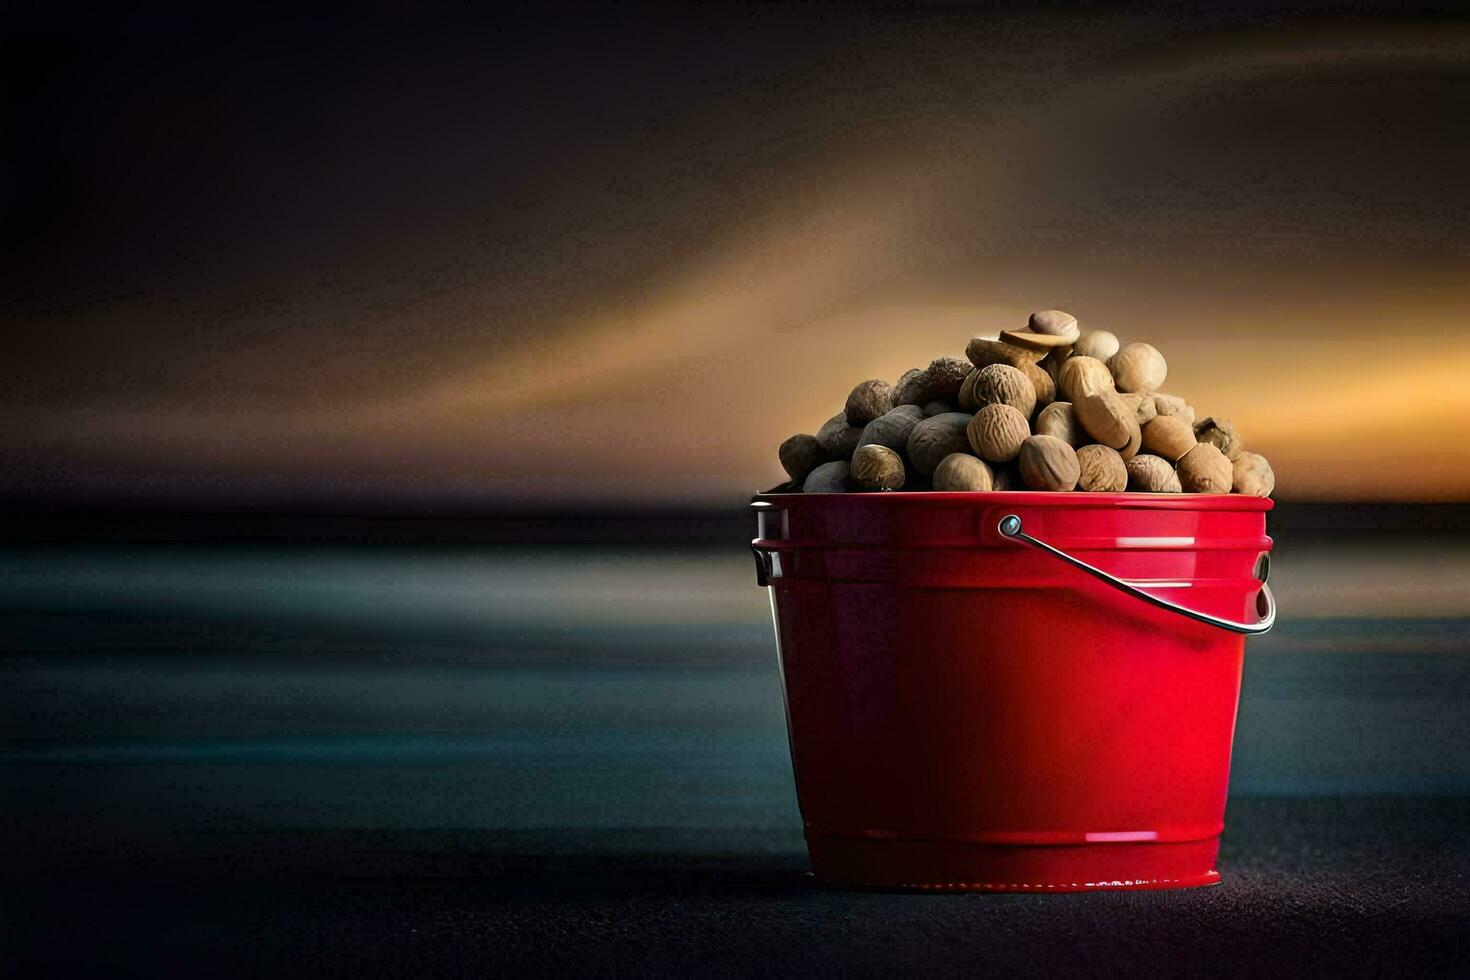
x=1010, y=527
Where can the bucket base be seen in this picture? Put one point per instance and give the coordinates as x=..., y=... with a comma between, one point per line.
x=947, y=866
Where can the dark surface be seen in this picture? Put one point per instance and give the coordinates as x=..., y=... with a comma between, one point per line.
x=1352, y=885
x=392, y=762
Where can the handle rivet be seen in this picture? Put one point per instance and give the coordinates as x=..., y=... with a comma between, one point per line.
x=1010, y=525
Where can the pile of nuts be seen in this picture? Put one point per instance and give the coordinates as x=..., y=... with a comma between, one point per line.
x=1044, y=408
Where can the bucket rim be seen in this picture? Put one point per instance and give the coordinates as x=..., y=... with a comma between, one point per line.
x=1021, y=498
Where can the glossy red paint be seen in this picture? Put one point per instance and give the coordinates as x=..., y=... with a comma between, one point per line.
x=967, y=712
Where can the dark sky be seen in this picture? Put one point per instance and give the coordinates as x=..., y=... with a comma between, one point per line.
x=623, y=252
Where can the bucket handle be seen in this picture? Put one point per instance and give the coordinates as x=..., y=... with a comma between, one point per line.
x=1010, y=527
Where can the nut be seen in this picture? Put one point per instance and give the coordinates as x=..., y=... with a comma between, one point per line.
x=967, y=392
x=909, y=389
x=943, y=377
x=1096, y=343
x=935, y=438
x=1057, y=420
x=1052, y=362
x=838, y=438
x=1204, y=469
x=1168, y=436
x=891, y=429
x=1142, y=405
x=1053, y=323
x=1221, y=434
x=1173, y=405
x=1103, y=470
x=800, y=455
x=1041, y=382
x=827, y=478
x=868, y=400
x=997, y=431
x=1150, y=474
x=983, y=352
x=934, y=408
x=1083, y=376
x=961, y=471
x=1001, y=384
x=1252, y=475
x=1107, y=420
x=1048, y=463
x=1138, y=367
x=877, y=468
x=1005, y=478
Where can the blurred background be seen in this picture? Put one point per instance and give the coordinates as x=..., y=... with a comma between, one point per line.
x=383, y=391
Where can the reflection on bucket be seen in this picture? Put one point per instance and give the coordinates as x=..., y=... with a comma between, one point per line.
x=1013, y=691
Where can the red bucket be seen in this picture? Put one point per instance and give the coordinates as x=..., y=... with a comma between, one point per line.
x=1013, y=691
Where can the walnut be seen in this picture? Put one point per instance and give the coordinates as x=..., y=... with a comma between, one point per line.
x=868, y=400
x=1204, y=469
x=997, y=431
x=1221, y=434
x=1057, y=420
x=1046, y=389
x=935, y=438
x=891, y=429
x=909, y=389
x=827, y=478
x=1168, y=436
x=943, y=377
x=838, y=438
x=1103, y=470
x=800, y=455
x=1048, y=463
x=1150, y=474
x=1252, y=475
x=877, y=467
x=1001, y=384
x=961, y=471
x=1098, y=344
x=1138, y=367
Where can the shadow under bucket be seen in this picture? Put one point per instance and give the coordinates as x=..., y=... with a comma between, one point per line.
x=1013, y=691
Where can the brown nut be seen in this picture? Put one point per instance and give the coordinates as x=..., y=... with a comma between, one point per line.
x=961, y=471
x=1252, y=475
x=800, y=455
x=1142, y=405
x=1107, y=420
x=1150, y=474
x=1103, y=470
x=935, y=438
x=1048, y=463
x=868, y=400
x=1057, y=420
x=1083, y=376
x=943, y=377
x=1096, y=343
x=934, y=408
x=1221, y=434
x=1005, y=478
x=1001, y=384
x=1173, y=405
x=997, y=431
x=1138, y=367
x=909, y=389
x=877, y=468
x=1204, y=469
x=1168, y=436
x=967, y=392
x=1046, y=389
x=983, y=352
x=827, y=478
x=838, y=438
x=891, y=429
x=1052, y=362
